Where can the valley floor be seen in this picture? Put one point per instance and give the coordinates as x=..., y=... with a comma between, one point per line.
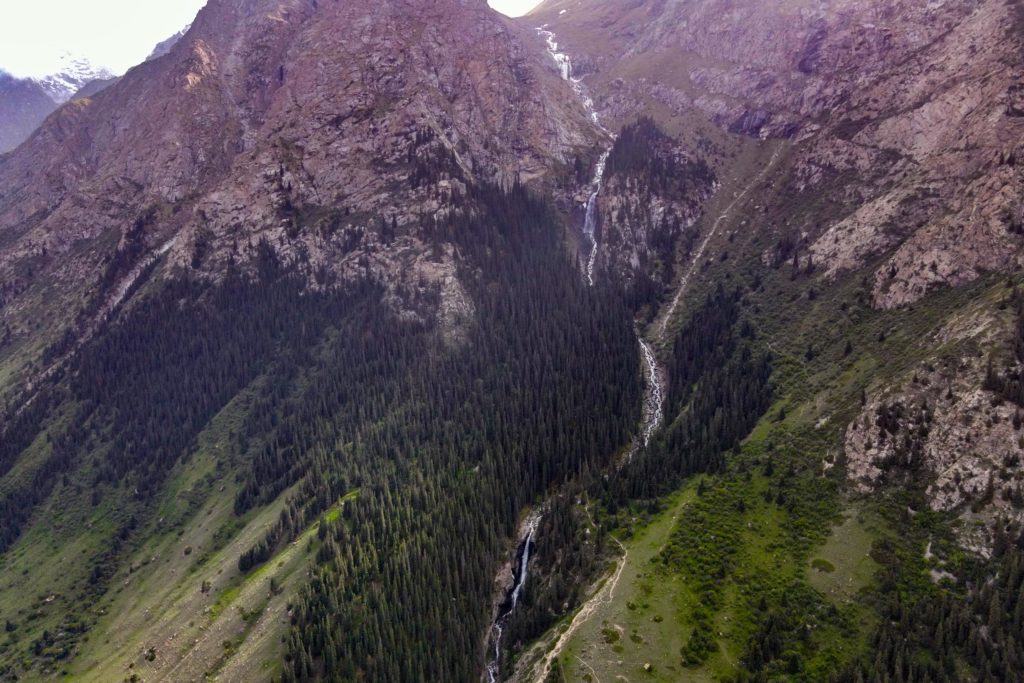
x=627, y=622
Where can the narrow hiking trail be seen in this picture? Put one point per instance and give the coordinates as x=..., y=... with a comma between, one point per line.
x=603, y=596
x=607, y=604
x=695, y=261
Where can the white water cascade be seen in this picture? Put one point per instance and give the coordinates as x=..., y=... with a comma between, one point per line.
x=512, y=601
x=653, y=396
x=590, y=222
x=564, y=63
x=653, y=408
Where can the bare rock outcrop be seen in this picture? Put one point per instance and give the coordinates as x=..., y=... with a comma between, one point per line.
x=940, y=426
x=907, y=114
x=337, y=133
x=654, y=194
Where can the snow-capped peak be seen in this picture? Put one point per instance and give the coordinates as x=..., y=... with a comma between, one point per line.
x=74, y=72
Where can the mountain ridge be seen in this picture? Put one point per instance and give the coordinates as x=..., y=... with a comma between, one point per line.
x=404, y=341
x=78, y=80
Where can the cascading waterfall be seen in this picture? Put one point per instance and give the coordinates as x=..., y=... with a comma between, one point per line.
x=653, y=399
x=512, y=599
x=653, y=408
x=524, y=561
x=564, y=63
x=653, y=395
x=590, y=222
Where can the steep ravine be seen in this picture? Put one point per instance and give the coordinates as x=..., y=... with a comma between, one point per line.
x=508, y=606
x=653, y=394
x=564, y=62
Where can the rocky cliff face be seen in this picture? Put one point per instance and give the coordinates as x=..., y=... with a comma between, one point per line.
x=653, y=196
x=335, y=132
x=898, y=128
x=940, y=423
x=164, y=46
x=912, y=107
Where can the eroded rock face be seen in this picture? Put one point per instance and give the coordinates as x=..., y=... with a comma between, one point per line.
x=908, y=112
x=940, y=426
x=945, y=120
x=649, y=210
x=332, y=131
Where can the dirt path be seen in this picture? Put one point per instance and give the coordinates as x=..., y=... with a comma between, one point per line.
x=707, y=240
x=607, y=600
x=602, y=597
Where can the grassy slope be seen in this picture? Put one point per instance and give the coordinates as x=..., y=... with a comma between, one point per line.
x=154, y=620
x=640, y=621
x=161, y=624
x=814, y=548
x=41, y=315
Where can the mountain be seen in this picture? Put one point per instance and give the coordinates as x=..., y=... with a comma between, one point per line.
x=867, y=159
x=197, y=135
x=164, y=46
x=910, y=99
x=26, y=102
x=72, y=75
x=378, y=153
x=23, y=106
x=29, y=101
x=403, y=341
x=94, y=86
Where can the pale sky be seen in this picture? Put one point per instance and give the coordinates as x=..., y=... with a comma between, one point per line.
x=514, y=8
x=115, y=34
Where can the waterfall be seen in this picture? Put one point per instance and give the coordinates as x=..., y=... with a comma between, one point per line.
x=653, y=408
x=513, y=596
x=653, y=395
x=590, y=221
x=564, y=63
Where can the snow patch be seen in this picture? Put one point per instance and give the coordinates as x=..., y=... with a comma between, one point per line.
x=74, y=73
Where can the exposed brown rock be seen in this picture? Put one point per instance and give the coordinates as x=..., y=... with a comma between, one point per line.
x=940, y=424
x=907, y=112
x=334, y=131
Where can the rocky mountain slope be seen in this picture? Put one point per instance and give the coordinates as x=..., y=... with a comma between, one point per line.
x=866, y=155
x=26, y=102
x=402, y=341
x=912, y=104
x=899, y=119
x=301, y=124
x=164, y=46
x=23, y=106
x=367, y=164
